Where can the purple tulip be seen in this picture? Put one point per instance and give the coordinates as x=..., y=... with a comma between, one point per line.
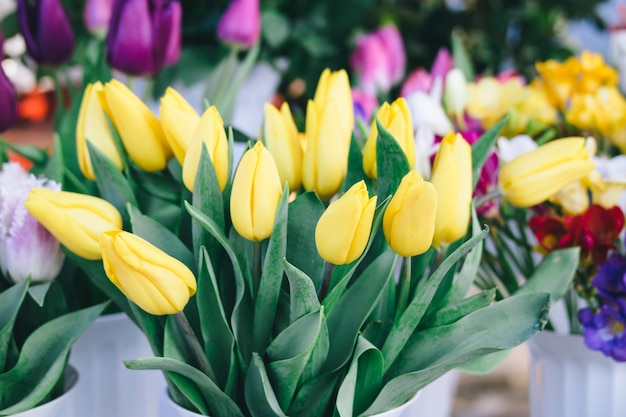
x=240, y=25
x=144, y=35
x=27, y=249
x=8, y=98
x=97, y=15
x=46, y=30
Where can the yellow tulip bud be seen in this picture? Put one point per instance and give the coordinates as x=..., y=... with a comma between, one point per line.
x=139, y=128
x=158, y=283
x=92, y=125
x=210, y=132
x=535, y=176
x=179, y=121
x=409, y=220
x=452, y=178
x=396, y=118
x=343, y=230
x=76, y=220
x=335, y=86
x=256, y=194
x=281, y=138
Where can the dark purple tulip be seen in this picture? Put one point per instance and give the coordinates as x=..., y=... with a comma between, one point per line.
x=46, y=30
x=144, y=35
x=8, y=103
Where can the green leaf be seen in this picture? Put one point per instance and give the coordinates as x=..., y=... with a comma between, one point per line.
x=219, y=342
x=482, y=148
x=260, y=397
x=355, y=167
x=160, y=236
x=303, y=296
x=404, y=328
x=271, y=277
x=354, y=306
x=453, y=312
x=363, y=380
x=10, y=302
x=391, y=162
x=42, y=360
x=219, y=404
x=461, y=57
x=302, y=253
x=485, y=364
x=38, y=292
x=289, y=353
x=313, y=396
x=431, y=353
x=55, y=166
x=275, y=27
x=554, y=274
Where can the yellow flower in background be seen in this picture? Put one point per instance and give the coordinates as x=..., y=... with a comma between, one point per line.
x=282, y=139
x=335, y=86
x=179, y=121
x=210, y=132
x=76, y=220
x=158, y=283
x=594, y=73
x=92, y=125
x=255, y=194
x=396, y=118
x=603, y=111
x=343, y=230
x=535, y=176
x=409, y=220
x=452, y=179
x=558, y=79
x=138, y=127
x=489, y=100
x=531, y=106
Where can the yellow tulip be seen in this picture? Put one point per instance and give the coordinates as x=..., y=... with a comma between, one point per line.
x=489, y=100
x=139, y=128
x=452, y=178
x=343, y=230
x=409, y=220
x=179, y=121
x=335, y=86
x=210, y=132
x=396, y=118
x=256, y=194
x=281, y=138
x=92, y=125
x=76, y=220
x=158, y=283
x=535, y=176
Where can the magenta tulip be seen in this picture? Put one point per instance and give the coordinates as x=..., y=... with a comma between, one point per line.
x=240, y=25
x=8, y=98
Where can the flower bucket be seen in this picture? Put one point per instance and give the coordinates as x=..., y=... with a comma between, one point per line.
x=568, y=379
x=170, y=409
x=436, y=399
x=61, y=405
x=106, y=387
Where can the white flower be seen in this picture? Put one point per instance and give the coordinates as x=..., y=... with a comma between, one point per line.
x=427, y=111
x=27, y=249
x=425, y=149
x=613, y=174
x=509, y=149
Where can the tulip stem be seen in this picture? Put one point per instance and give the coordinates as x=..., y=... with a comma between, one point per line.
x=256, y=265
x=328, y=274
x=195, y=349
x=404, y=288
x=495, y=193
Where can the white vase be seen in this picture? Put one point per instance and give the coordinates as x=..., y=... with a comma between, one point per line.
x=55, y=407
x=569, y=380
x=170, y=409
x=106, y=387
x=436, y=399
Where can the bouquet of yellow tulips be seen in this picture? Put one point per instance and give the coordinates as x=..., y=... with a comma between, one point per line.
x=324, y=277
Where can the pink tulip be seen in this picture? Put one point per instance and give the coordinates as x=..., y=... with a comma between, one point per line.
x=97, y=14
x=418, y=80
x=364, y=104
x=442, y=64
x=240, y=25
x=392, y=41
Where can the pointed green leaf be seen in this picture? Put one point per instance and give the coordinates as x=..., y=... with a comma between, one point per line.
x=483, y=147
x=453, y=312
x=10, y=302
x=303, y=297
x=355, y=166
x=313, y=396
x=461, y=57
x=554, y=274
x=391, y=162
x=260, y=397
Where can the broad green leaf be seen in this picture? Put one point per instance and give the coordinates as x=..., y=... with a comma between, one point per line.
x=404, y=328
x=313, y=396
x=189, y=391
x=391, y=162
x=453, y=312
x=161, y=237
x=55, y=166
x=303, y=297
x=271, y=277
x=554, y=274
x=219, y=341
x=42, y=360
x=431, y=353
x=157, y=185
x=260, y=397
x=355, y=167
x=38, y=292
x=289, y=353
x=482, y=148
x=218, y=403
x=10, y=302
x=485, y=364
x=302, y=253
x=354, y=306
x=363, y=380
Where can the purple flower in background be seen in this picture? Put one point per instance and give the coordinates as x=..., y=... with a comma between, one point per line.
x=144, y=35
x=364, y=105
x=611, y=279
x=97, y=15
x=8, y=98
x=46, y=30
x=240, y=25
x=27, y=249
